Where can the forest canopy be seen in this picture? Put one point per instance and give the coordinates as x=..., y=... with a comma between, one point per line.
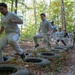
x=29, y=11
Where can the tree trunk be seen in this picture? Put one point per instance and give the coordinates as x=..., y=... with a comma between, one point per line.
x=34, y=5
x=25, y=13
x=16, y=2
x=63, y=20
x=12, y=5
x=44, y=6
x=50, y=3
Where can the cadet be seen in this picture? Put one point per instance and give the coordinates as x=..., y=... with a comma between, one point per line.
x=12, y=32
x=44, y=31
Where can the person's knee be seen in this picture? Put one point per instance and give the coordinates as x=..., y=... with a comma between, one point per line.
x=11, y=41
x=34, y=37
x=57, y=40
x=62, y=40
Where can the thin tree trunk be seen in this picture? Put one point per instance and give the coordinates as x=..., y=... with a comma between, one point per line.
x=16, y=2
x=63, y=19
x=34, y=5
x=44, y=6
x=12, y=5
x=25, y=14
x=50, y=3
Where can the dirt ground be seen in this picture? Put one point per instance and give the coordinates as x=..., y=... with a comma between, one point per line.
x=67, y=66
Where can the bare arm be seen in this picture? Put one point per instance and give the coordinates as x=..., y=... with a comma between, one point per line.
x=16, y=21
x=2, y=29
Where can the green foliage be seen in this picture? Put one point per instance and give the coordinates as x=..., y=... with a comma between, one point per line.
x=28, y=32
x=53, y=12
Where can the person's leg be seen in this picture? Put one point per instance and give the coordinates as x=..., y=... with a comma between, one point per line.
x=46, y=37
x=36, y=36
x=1, y=57
x=57, y=41
x=74, y=43
x=70, y=41
x=12, y=40
x=3, y=43
x=63, y=42
x=44, y=41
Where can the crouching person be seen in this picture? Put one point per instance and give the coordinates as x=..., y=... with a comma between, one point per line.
x=12, y=32
x=44, y=31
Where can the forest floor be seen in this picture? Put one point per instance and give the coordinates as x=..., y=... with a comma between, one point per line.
x=65, y=66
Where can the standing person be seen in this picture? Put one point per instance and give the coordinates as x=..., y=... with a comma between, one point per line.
x=60, y=35
x=66, y=36
x=54, y=28
x=12, y=31
x=70, y=34
x=44, y=31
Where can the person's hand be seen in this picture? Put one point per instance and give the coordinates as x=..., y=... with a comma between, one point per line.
x=11, y=20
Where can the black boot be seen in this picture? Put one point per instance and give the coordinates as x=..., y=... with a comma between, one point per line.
x=23, y=56
x=36, y=45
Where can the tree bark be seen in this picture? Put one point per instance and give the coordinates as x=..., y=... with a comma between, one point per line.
x=34, y=5
x=12, y=5
x=16, y=2
x=63, y=19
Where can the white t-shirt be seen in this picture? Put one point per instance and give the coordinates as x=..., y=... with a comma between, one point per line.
x=60, y=34
x=8, y=26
